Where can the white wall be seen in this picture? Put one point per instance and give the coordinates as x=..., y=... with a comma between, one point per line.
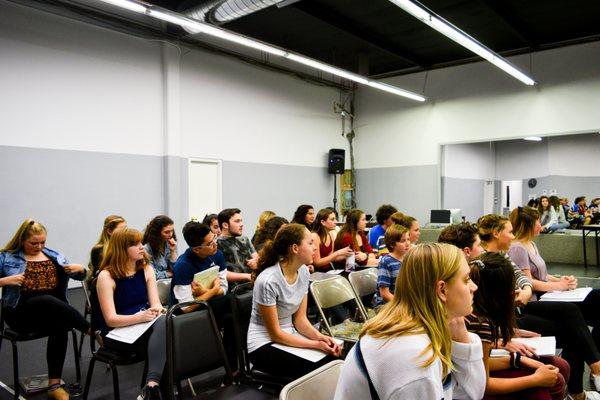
x=72, y=87
x=477, y=101
x=521, y=159
x=469, y=161
x=576, y=155
x=237, y=112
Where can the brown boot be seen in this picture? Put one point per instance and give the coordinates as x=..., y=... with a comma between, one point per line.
x=58, y=393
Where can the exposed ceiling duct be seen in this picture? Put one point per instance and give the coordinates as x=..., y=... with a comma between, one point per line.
x=219, y=12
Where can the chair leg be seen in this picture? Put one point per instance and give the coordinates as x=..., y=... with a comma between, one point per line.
x=16, y=388
x=77, y=356
x=179, y=390
x=88, y=379
x=82, y=337
x=115, y=375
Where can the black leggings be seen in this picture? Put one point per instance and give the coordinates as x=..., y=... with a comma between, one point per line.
x=274, y=361
x=50, y=315
x=565, y=321
x=153, y=343
x=221, y=308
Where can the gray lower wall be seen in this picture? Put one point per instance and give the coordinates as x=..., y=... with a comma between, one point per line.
x=566, y=186
x=254, y=188
x=71, y=192
x=466, y=194
x=413, y=190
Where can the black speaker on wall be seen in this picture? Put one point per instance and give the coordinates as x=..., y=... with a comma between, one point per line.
x=336, y=161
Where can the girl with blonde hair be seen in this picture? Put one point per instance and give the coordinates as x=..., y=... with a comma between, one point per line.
x=408, y=350
x=34, y=280
x=127, y=295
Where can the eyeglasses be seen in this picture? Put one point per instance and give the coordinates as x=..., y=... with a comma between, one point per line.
x=210, y=244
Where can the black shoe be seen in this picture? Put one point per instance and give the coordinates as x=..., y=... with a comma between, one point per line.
x=150, y=393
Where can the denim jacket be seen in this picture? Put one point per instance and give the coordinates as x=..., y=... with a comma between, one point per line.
x=15, y=263
x=161, y=262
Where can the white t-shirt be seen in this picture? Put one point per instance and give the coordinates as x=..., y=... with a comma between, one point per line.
x=271, y=289
x=395, y=368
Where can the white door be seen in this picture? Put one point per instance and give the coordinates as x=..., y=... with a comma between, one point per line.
x=488, y=197
x=204, y=186
x=514, y=191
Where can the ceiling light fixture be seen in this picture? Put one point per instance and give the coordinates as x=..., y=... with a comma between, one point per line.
x=201, y=27
x=533, y=138
x=446, y=28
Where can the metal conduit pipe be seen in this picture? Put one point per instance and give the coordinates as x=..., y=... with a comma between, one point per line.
x=218, y=12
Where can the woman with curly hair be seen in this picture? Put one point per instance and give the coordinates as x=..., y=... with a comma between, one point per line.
x=160, y=244
x=304, y=215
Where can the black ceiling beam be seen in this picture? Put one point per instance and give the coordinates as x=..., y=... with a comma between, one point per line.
x=517, y=27
x=343, y=24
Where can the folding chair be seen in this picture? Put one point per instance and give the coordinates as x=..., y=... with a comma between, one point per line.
x=364, y=283
x=241, y=307
x=164, y=291
x=14, y=337
x=319, y=384
x=194, y=347
x=332, y=292
x=111, y=358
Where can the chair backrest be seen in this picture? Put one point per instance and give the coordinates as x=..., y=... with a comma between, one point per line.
x=86, y=292
x=364, y=282
x=331, y=292
x=241, y=308
x=319, y=384
x=194, y=343
x=164, y=291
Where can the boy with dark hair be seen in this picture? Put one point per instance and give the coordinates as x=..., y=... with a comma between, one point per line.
x=240, y=255
x=382, y=215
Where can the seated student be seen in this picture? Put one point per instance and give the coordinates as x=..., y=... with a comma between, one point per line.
x=410, y=223
x=493, y=319
x=279, y=307
x=160, y=243
x=262, y=218
x=396, y=240
x=34, y=280
x=324, y=225
x=304, y=215
x=417, y=346
x=353, y=234
x=127, y=295
x=561, y=222
x=111, y=223
x=549, y=318
x=268, y=231
x=382, y=216
x=201, y=255
x=239, y=253
x=212, y=220
x=580, y=212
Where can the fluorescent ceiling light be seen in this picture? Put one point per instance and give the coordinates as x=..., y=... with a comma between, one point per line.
x=201, y=27
x=446, y=28
x=130, y=5
x=533, y=138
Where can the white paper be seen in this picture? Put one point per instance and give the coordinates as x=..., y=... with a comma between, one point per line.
x=131, y=333
x=576, y=295
x=335, y=271
x=308, y=354
x=543, y=345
